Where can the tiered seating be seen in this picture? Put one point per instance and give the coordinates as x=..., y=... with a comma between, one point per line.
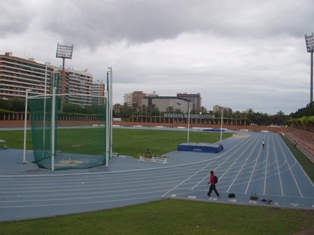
x=305, y=139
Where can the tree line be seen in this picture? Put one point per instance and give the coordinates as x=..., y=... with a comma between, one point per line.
x=126, y=112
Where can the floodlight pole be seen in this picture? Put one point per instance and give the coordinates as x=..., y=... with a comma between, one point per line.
x=311, y=93
x=62, y=85
x=64, y=52
x=309, y=41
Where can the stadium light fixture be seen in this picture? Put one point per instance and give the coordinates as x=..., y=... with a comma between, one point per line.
x=309, y=41
x=64, y=52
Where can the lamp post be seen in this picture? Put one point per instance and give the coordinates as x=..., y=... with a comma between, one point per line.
x=64, y=52
x=309, y=40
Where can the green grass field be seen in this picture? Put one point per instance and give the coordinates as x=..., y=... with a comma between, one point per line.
x=166, y=216
x=125, y=141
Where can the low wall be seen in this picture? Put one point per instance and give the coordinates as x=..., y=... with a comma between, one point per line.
x=20, y=123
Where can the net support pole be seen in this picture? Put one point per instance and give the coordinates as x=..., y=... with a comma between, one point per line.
x=108, y=117
x=107, y=125
x=44, y=113
x=110, y=112
x=25, y=125
x=188, y=138
x=222, y=118
x=53, y=129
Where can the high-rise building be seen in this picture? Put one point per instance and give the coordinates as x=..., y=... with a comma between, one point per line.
x=136, y=97
x=128, y=99
x=166, y=103
x=195, y=99
x=18, y=74
x=98, y=91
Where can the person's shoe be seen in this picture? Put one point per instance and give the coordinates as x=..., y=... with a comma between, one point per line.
x=207, y=195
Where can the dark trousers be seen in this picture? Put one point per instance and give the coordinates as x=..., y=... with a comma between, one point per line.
x=211, y=188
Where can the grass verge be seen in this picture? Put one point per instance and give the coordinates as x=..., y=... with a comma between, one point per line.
x=306, y=163
x=171, y=216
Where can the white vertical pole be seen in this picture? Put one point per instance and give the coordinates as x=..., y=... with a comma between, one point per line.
x=188, y=139
x=107, y=121
x=25, y=125
x=222, y=115
x=44, y=113
x=110, y=112
x=53, y=129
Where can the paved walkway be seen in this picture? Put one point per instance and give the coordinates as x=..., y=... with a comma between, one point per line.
x=243, y=167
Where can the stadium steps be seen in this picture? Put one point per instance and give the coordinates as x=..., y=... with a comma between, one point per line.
x=304, y=140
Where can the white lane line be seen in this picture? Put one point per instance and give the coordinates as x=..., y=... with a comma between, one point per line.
x=266, y=167
x=185, y=180
x=244, y=164
x=202, y=180
x=290, y=168
x=253, y=170
x=278, y=171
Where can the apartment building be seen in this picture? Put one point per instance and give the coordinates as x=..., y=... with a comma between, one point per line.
x=128, y=99
x=18, y=74
x=98, y=91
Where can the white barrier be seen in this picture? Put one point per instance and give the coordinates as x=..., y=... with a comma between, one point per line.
x=4, y=144
x=155, y=159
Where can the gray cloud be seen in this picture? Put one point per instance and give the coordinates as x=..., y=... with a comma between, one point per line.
x=93, y=23
x=242, y=54
x=15, y=17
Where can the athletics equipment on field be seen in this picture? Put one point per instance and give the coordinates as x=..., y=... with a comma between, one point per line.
x=56, y=147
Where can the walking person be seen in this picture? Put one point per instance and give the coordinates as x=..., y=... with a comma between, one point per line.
x=212, y=183
x=263, y=143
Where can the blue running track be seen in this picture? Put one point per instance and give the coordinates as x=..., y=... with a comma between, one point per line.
x=243, y=167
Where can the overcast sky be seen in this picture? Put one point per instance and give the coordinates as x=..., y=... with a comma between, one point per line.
x=244, y=54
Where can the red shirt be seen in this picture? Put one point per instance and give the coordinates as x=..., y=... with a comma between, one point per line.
x=211, y=179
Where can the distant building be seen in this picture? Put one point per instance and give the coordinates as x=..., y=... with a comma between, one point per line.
x=164, y=103
x=98, y=91
x=218, y=108
x=135, y=98
x=76, y=82
x=195, y=99
x=128, y=99
x=18, y=74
